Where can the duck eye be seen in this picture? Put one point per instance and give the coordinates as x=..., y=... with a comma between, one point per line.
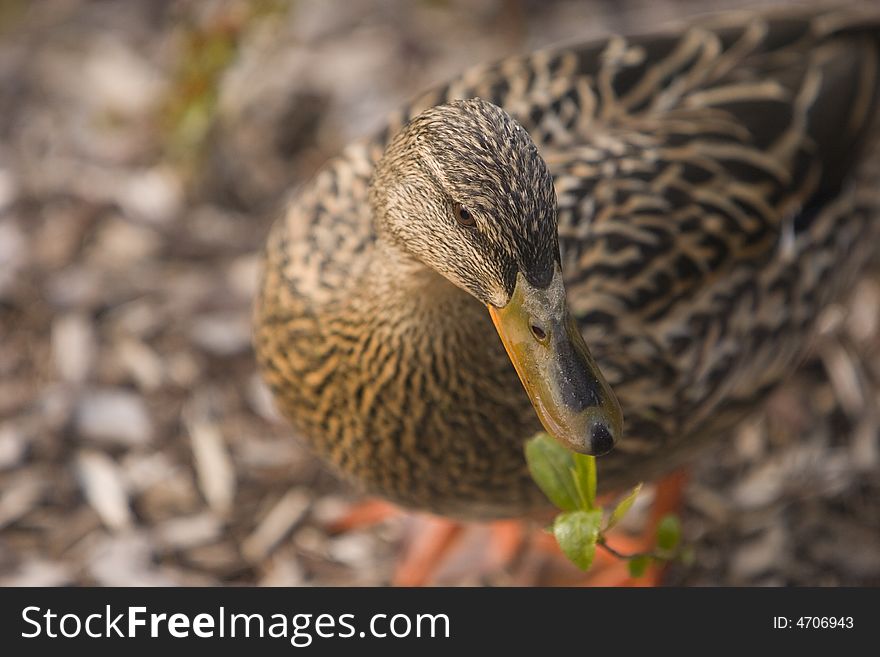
x=463, y=216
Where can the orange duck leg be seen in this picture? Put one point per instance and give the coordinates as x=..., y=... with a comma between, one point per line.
x=443, y=551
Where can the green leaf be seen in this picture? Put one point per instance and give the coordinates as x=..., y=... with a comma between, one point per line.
x=639, y=565
x=622, y=507
x=577, y=533
x=551, y=466
x=585, y=471
x=668, y=533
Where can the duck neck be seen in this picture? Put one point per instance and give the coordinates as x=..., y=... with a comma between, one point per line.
x=395, y=281
x=401, y=304
x=421, y=379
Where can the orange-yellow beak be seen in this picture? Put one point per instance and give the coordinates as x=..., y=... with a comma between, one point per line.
x=571, y=397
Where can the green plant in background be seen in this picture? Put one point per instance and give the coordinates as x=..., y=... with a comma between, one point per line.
x=569, y=481
x=206, y=54
x=207, y=49
x=11, y=12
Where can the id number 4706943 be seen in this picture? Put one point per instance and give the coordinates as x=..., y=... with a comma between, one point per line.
x=813, y=622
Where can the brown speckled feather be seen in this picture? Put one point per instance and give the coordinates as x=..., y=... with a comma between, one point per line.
x=716, y=187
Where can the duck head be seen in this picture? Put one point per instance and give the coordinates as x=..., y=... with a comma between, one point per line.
x=463, y=189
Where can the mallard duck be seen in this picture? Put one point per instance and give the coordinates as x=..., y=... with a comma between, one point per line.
x=649, y=224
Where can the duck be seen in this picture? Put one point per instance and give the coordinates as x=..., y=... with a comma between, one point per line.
x=624, y=242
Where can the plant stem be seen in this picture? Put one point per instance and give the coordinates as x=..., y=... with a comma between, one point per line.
x=601, y=542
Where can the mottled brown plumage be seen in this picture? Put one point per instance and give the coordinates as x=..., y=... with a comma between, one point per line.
x=716, y=187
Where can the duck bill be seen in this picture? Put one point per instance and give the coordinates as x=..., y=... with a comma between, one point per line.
x=571, y=397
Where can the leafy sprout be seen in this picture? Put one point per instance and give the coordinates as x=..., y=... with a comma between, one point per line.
x=569, y=481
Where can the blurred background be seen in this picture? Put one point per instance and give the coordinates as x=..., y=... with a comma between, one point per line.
x=145, y=147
